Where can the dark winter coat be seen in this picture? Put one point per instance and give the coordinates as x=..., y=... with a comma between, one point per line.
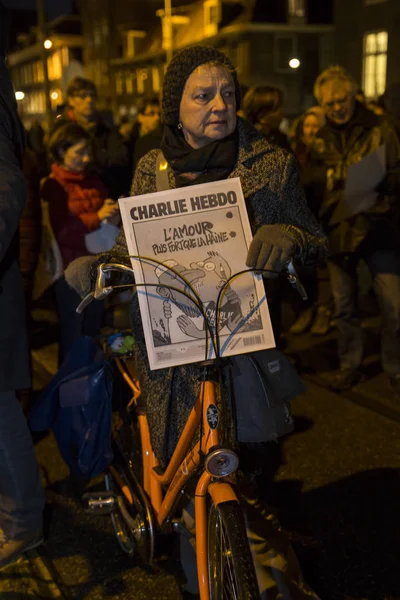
x=14, y=357
x=143, y=145
x=338, y=148
x=270, y=182
x=110, y=155
x=312, y=177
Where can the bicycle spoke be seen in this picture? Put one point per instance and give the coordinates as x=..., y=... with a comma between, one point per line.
x=226, y=567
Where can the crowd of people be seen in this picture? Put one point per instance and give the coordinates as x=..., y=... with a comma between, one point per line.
x=206, y=132
x=325, y=140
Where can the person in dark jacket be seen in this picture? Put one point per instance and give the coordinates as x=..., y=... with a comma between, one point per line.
x=351, y=133
x=21, y=495
x=110, y=156
x=148, y=128
x=144, y=134
x=203, y=141
x=263, y=108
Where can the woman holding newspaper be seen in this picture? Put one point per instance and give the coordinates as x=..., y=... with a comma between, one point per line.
x=204, y=141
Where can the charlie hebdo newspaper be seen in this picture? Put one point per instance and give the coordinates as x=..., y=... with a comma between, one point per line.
x=195, y=237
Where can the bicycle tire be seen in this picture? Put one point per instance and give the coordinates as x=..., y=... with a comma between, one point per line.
x=230, y=564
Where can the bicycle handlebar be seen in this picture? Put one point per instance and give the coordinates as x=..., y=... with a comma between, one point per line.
x=101, y=290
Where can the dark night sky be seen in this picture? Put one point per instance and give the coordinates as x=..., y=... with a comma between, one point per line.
x=54, y=8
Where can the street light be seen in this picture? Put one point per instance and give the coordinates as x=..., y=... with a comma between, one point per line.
x=19, y=95
x=54, y=95
x=47, y=44
x=294, y=63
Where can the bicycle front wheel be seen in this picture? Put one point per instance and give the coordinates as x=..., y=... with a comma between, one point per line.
x=230, y=564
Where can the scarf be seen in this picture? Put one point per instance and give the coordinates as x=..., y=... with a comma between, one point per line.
x=85, y=192
x=198, y=165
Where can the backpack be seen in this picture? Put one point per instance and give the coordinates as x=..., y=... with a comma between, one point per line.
x=77, y=406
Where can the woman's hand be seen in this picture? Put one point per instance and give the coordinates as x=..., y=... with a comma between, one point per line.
x=271, y=249
x=108, y=210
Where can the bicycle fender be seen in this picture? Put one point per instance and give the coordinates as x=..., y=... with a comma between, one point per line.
x=222, y=492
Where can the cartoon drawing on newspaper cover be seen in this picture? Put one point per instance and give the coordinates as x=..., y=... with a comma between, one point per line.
x=197, y=235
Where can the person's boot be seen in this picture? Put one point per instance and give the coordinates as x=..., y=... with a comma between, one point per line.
x=10, y=550
x=345, y=379
x=322, y=323
x=303, y=322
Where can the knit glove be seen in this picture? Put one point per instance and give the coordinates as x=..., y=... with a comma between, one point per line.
x=81, y=274
x=77, y=275
x=271, y=249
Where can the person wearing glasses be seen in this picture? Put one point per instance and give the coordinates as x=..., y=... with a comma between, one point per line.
x=110, y=155
x=350, y=134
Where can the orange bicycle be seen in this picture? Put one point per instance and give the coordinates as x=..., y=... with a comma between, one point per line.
x=145, y=500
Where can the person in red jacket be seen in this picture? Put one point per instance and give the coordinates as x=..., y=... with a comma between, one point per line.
x=78, y=204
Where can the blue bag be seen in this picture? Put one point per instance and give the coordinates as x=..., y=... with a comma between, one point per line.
x=77, y=406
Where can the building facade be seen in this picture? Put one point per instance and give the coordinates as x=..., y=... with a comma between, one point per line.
x=284, y=43
x=64, y=61
x=368, y=45
x=113, y=28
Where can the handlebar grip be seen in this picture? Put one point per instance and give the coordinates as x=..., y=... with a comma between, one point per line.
x=84, y=303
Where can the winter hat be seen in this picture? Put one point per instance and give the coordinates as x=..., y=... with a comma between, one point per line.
x=179, y=70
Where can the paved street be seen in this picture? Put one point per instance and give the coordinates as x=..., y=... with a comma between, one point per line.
x=338, y=494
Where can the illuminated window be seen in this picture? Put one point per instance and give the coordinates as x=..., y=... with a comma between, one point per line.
x=65, y=56
x=42, y=102
x=119, y=84
x=141, y=78
x=156, y=79
x=27, y=74
x=40, y=72
x=132, y=35
x=54, y=66
x=129, y=84
x=212, y=16
x=374, y=63
x=296, y=8
x=57, y=65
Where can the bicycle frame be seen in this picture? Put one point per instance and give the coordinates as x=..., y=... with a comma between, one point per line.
x=163, y=487
x=181, y=467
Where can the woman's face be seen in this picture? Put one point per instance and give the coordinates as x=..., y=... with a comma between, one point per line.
x=77, y=157
x=208, y=106
x=310, y=129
